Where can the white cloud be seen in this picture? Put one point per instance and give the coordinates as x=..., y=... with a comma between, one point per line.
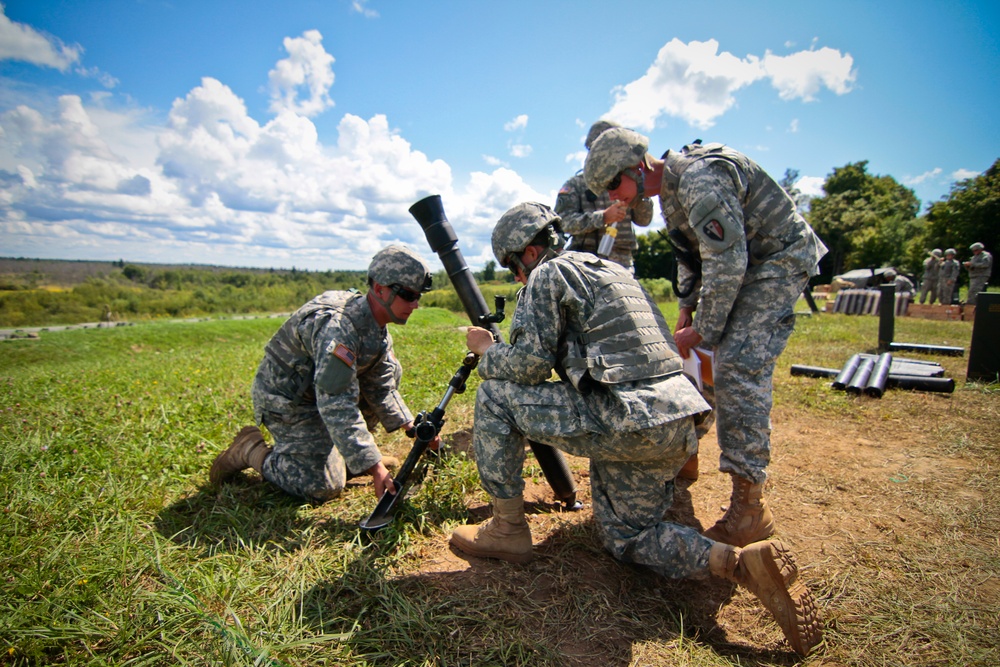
x=927, y=175
x=793, y=127
x=493, y=161
x=802, y=74
x=696, y=83
x=214, y=185
x=519, y=123
x=307, y=68
x=811, y=186
x=520, y=150
x=963, y=174
x=21, y=42
x=360, y=6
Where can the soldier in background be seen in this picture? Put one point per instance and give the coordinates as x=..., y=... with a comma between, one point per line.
x=586, y=215
x=622, y=401
x=932, y=271
x=328, y=377
x=749, y=255
x=903, y=284
x=948, y=278
x=979, y=267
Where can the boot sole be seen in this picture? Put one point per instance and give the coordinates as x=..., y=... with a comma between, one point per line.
x=791, y=603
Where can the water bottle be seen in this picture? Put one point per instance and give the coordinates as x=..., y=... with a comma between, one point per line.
x=607, y=241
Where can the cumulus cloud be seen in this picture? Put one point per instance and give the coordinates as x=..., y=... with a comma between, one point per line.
x=811, y=186
x=697, y=83
x=307, y=69
x=21, y=42
x=793, y=127
x=520, y=150
x=519, y=123
x=213, y=184
x=927, y=175
x=963, y=174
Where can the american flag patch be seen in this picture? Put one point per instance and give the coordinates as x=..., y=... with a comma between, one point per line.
x=344, y=354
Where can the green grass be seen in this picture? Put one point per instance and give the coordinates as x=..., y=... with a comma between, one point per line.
x=114, y=549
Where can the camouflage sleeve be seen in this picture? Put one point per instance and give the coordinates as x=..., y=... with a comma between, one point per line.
x=687, y=280
x=569, y=207
x=642, y=214
x=337, y=393
x=380, y=387
x=711, y=197
x=534, y=332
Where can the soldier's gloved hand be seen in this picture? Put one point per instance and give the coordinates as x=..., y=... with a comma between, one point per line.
x=615, y=213
x=383, y=480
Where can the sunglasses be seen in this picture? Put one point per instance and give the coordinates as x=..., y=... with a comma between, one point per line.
x=615, y=182
x=405, y=294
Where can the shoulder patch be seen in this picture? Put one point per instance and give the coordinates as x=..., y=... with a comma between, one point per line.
x=565, y=190
x=714, y=230
x=344, y=354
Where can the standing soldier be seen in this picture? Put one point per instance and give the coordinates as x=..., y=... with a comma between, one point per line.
x=622, y=401
x=587, y=216
x=931, y=277
x=979, y=267
x=948, y=278
x=328, y=377
x=750, y=252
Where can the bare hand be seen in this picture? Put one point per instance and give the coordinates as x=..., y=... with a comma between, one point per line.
x=615, y=213
x=383, y=480
x=684, y=320
x=478, y=340
x=686, y=339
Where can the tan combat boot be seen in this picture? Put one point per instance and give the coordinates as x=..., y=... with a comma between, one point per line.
x=748, y=518
x=768, y=570
x=690, y=469
x=506, y=536
x=248, y=450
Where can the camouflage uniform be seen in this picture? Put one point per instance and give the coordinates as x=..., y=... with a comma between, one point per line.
x=633, y=419
x=757, y=254
x=929, y=281
x=980, y=267
x=582, y=214
x=948, y=279
x=328, y=377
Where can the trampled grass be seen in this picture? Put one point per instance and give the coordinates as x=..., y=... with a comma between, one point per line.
x=114, y=549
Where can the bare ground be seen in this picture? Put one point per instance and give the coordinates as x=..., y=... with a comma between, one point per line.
x=889, y=506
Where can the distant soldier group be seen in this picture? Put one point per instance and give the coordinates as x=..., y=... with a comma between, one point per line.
x=941, y=274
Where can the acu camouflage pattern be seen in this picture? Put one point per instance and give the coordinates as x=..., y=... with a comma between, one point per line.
x=614, y=150
x=929, y=281
x=751, y=278
x=398, y=265
x=980, y=267
x=319, y=408
x=637, y=434
x=518, y=227
x=948, y=278
x=582, y=214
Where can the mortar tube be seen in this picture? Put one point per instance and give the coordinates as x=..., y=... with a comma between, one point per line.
x=847, y=372
x=880, y=374
x=860, y=377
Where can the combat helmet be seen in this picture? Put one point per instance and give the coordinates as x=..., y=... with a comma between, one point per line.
x=614, y=151
x=950, y=251
x=398, y=265
x=936, y=252
x=976, y=246
x=517, y=227
x=596, y=130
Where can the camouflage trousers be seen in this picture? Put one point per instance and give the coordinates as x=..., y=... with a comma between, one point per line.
x=976, y=285
x=756, y=334
x=304, y=461
x=631, y=474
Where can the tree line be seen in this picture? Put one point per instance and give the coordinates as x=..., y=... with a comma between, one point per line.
x=872, y=221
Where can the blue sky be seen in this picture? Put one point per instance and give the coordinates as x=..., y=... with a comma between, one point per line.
x=298, y=133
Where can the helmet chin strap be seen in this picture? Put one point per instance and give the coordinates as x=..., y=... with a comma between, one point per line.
x=543, y=256
x=387, y=305
x=635, y=173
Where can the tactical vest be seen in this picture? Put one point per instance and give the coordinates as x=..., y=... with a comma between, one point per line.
x=288, y=351
x=768, y=212
x=623, y=338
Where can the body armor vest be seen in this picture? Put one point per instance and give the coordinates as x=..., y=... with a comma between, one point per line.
x=768, y=212
x=623, y=339
x=287, y=349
